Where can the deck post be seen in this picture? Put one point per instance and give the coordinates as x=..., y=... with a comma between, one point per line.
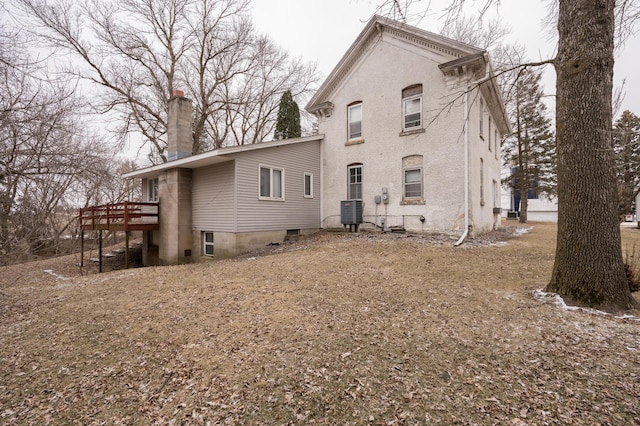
x=100, y=251
x=126, y=250
x=81, y=247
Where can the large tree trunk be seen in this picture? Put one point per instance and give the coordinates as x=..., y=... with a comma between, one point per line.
x=589, y=268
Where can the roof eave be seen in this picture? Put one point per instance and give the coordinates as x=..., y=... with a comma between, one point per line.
x=214, y=157
x=376, y=25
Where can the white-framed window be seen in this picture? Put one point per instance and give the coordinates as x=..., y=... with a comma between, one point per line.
x=481, y=182
x=412, y=107
x=496, y=140
x=481, y=114
x=271, y=183
x=355, y=120
x=355, y=182
x=207, y=243
x=308, y=185
x=412, y=184
x=152, y=190
x=489, y=134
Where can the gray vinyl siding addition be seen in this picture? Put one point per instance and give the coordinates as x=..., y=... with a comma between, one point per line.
x=296, y=211
x=213, y=198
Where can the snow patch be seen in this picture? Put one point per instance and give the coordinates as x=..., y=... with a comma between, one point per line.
x=555, y=300
x=58, y=277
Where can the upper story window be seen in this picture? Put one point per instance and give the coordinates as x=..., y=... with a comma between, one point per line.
x=489, y=134
x=355, y=182
x=481, y=114
x=412, y=107
x=152, y=190
x=495, y=141
x=271, y=183
x=355, y=120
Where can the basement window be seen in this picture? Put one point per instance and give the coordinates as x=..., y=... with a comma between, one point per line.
x=207, y=243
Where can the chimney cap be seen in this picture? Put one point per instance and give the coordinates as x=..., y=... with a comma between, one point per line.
x=178, y=93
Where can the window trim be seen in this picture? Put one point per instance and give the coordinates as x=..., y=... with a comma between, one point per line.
x=481, y=119
x=271, y=169
x=404, y=184
x=350, y=107
x=153, y=191
x=482, y=182
x=310, y=193
x=405, y=102
x=206, y=244
x=349, y=168
x=489, y=134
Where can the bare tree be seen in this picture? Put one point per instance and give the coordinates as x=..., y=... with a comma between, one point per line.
x=44, y=152
x=136, y=52
x=589, y=267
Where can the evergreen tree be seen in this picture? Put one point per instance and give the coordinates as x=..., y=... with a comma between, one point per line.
x=626, y=140
x=288, y=124
x=531, y=150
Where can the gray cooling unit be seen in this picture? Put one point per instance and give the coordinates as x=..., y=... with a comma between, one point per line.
x=351, y=212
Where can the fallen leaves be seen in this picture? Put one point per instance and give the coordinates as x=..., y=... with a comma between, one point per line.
x=341, y=330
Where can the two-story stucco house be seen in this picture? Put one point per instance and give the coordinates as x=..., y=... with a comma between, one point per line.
x=410, y=125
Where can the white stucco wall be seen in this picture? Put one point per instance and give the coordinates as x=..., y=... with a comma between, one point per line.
x=388, y=66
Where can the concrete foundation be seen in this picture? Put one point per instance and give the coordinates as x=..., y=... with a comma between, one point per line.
x=176, y=242
x=229, y=244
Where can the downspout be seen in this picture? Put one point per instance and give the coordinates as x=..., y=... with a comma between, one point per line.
x=466, y=147
x=321, y=189
x=466, y=167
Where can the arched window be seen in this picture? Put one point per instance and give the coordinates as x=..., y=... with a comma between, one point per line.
x=354, y=112
x=412, y=107
x=481, y=115
x=412, y=177
x=354, y=182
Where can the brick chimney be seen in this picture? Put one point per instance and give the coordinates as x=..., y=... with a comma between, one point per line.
x=179, y=132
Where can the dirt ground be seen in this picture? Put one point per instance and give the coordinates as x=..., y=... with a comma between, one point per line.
x=330, y=329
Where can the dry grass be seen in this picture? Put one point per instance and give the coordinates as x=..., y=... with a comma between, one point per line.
x=330, y=330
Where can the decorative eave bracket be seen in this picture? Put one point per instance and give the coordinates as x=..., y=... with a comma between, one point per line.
x=322, y=111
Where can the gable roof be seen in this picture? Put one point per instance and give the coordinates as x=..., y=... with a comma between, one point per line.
x=457, y=54
x=216, y=156
x=371, y=32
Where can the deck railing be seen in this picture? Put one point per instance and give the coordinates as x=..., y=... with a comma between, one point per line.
x=125, y=216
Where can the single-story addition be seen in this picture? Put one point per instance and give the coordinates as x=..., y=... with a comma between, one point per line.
x=410, y=125
x=230, y=200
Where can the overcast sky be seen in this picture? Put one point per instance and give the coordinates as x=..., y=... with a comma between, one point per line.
x=322, y=31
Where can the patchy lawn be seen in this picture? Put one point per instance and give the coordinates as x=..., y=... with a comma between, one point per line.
x=332, y=329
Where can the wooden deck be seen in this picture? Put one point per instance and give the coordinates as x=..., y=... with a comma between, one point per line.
x=126, y=216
